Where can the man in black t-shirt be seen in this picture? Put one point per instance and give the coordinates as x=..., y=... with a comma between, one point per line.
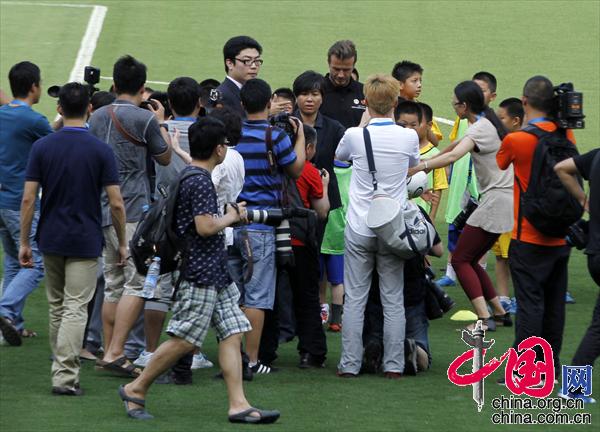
x=343, y=97
x=588, y=166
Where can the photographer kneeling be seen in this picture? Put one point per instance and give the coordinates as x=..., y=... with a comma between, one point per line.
x=588, y=166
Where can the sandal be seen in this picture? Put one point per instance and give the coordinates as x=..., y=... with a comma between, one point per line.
x=121, y=367
x=246, y=416
x=136, y=413
x=28, y=333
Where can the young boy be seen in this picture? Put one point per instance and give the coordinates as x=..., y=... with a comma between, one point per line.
x=419, y=116
x=487, y=82
x=510, y=112
x=410, y=77
x=206, y=295
x=283, y=100
x=304, y=275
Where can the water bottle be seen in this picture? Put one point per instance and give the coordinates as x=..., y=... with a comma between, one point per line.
x=151, y=279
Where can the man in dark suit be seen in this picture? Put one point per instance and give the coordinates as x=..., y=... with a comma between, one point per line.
x=241, y=55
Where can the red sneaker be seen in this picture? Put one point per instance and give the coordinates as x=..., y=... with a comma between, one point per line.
x=335, y=327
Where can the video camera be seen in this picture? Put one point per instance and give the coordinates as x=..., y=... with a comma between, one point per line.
x=279, y=218
x=569, y=107
x=91, y=76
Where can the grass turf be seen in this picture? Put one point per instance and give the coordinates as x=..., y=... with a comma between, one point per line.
x=451, y=40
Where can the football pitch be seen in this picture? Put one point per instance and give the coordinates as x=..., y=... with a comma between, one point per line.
x=450, y=39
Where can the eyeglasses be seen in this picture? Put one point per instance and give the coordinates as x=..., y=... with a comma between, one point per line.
x=249, y=62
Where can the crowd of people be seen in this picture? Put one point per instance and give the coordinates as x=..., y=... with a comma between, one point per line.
x=271, y=195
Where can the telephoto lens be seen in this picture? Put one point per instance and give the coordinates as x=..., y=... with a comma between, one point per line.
x=283, y=244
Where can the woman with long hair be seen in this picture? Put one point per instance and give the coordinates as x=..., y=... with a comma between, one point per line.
x=494, y=214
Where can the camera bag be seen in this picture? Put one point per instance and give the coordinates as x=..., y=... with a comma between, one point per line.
x=403, y=229
x=546, y=203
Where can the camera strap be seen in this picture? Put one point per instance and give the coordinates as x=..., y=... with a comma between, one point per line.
x=270, y=153
x=370, y=158
x=121, y=129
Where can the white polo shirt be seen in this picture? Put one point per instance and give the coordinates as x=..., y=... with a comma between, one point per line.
x=395, y=149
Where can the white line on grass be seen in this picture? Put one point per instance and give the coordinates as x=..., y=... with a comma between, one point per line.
x=148, y=82
x=15, y=3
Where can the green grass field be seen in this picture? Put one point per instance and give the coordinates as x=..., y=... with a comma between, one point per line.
x=452, y=40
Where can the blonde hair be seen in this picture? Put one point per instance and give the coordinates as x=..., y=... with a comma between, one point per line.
x=381, y=92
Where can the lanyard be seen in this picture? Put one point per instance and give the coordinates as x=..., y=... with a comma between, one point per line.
x=19, y=102
x=186, y=119
x=538, y=119
x=385, y=123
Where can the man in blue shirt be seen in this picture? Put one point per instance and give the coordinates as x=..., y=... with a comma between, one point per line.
x=72, y=167
x=262, y=190
x=20, y=127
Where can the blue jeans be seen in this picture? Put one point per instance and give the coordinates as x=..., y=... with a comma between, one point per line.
x=259, y=292
x=417, y=325
x=18, y=282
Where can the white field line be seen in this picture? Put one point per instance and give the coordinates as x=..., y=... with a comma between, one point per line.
x=148, y=82
x=20, y=3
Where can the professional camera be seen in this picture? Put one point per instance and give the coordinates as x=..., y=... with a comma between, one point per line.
x=569, y=107
x=577, y=234
x=437, y=301
x=282, y=121
x=279, y=218
x=461, y=219
x=91, y=76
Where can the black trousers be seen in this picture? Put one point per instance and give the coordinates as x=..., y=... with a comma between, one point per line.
x=589, y=347
x=540, y=278
x=304, y=280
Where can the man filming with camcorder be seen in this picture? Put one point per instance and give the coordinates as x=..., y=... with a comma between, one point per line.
x=268, y=155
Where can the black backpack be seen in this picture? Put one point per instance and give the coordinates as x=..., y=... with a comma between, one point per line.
x=154, y=235
x=546, y=203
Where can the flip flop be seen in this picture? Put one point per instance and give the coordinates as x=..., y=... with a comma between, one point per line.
x=26, y=333
x=247, y=417
x=122, y=367
x=136, y=413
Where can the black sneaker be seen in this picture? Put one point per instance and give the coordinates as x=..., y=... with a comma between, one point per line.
x=10, y=332
x=410, y=357
x=66, y=391
x=309, y=361
x=372, y=358
x=503, y=320
x=262, y=369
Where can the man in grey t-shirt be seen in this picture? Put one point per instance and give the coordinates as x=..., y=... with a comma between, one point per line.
x=132, y=132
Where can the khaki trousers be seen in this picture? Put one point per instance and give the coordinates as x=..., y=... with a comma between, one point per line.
x=70, y=285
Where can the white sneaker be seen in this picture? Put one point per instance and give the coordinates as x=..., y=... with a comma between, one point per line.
x=324, y=313
x=201, y=362
x=143, y=359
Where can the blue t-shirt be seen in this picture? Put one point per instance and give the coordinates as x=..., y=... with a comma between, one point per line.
x=206, y=262
x=262, y=189
x=20, y=127
x=72, y=167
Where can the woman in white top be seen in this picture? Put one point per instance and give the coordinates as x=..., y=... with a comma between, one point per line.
x=395, y=149
x=494, y=215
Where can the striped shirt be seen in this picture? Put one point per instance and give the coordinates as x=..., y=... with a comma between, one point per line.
x=262, y=189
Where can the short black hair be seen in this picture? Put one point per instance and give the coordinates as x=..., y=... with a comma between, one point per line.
x=163, y=98
x=22, y=76
x=237, y=44
x=539, y=92
x=206, y=89
x=129, y=75
x=310, y=134
x=184, y=95
x=342, y=49
x=513, y=107
x=469, y=93
x=232, y=122
x=408, y=107
x=427, y=111
x=255, y=95
x=102, y=98
x=204, y=136
x=405, y=69
x=487, y=78
x=210, y=82
x=285, y=93
x=74, y=99
x=307, y=82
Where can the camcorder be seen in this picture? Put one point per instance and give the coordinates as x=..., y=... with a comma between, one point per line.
x=569, y=107
x=282, y=121
x=280, y=219
x=461, y=219
x=91, y=76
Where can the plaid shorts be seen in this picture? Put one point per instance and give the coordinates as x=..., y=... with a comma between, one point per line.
x=197, y=307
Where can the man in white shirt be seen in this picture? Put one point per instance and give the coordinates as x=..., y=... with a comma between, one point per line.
x=395, y=149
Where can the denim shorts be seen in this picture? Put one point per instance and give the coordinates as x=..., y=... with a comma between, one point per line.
x=259, y=292
x=453, y=235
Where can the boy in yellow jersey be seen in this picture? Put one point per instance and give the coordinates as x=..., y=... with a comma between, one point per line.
x=410, y=77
